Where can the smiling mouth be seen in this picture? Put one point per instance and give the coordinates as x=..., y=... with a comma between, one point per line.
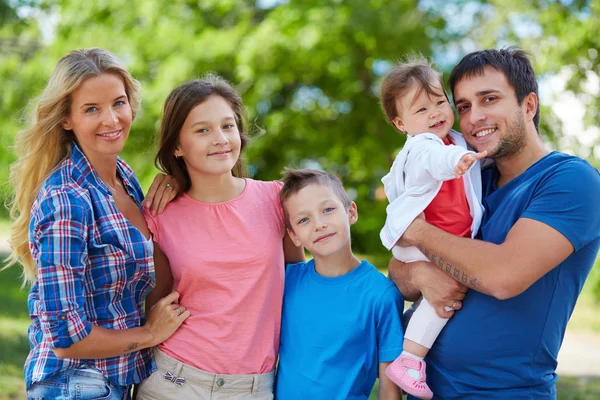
x=485, y=132
x=220, y=153
x=111, y=134
x=438, y=124
x=324, y=237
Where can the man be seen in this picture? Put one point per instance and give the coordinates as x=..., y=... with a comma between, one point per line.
x=540, y=236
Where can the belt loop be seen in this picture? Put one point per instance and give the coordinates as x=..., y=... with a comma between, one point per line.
x=179, y=368
x=254, y=384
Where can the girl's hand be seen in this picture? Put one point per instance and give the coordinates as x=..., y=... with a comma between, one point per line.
x=466, y=161
x=164, y=188
x=165, y=317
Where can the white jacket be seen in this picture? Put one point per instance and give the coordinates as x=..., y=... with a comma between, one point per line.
x=416, y=178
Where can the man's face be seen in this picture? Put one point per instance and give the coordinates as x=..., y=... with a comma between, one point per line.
x=490, y=117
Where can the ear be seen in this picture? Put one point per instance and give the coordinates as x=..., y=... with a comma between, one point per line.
x=398, y=124
x=294, y=238
x=66, y=124
x=177, y=152
x=531, y=104
x=352, y=213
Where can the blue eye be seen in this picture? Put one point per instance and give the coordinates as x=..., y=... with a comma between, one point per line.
x=228, y=126
x=119, y=103
x=328, y=209
x=91, y=110
x=303, y=220
x=439, y=103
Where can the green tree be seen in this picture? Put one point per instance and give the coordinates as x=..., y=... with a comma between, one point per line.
x=308, y=71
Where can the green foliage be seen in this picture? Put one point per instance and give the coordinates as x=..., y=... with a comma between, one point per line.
x=563, y=37
x=308, y=70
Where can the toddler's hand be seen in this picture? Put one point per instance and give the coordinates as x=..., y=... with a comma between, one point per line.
x=466, y=161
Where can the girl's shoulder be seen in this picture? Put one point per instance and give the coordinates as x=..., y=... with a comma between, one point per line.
x=264, y=189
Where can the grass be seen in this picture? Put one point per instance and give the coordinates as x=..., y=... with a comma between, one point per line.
x=14, y=347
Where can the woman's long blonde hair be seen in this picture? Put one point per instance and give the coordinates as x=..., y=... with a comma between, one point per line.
x=44, y=144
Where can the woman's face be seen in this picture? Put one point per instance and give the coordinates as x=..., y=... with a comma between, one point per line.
x=100, y=116
x=209, y=140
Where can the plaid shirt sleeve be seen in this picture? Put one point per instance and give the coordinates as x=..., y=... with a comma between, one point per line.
x=60, y=241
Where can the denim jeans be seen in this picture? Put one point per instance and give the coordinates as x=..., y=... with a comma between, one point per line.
x=77, y=384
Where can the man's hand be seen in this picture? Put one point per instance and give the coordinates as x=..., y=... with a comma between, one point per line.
x=466, y=161
x=436, y=286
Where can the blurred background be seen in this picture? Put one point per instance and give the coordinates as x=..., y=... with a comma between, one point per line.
x=309, y=72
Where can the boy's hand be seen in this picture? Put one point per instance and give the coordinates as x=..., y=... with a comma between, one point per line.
x=466, y=161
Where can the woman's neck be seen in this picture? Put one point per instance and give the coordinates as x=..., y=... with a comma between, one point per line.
x=215, y=188
x=106, y=168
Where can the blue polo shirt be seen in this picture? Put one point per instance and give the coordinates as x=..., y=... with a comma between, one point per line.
x=495, y=349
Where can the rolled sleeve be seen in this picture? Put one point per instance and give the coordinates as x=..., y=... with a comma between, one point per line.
x=59, y=247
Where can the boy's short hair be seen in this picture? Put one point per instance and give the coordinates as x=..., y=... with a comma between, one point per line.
x=295, y=180
x=511, y=61
x=415, y=69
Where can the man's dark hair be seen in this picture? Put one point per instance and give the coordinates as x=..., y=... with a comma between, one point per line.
x=512, y=61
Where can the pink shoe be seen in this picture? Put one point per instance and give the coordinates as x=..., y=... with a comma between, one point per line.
x=397, y=371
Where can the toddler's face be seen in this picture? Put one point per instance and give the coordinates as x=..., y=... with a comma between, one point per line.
x=421, y=112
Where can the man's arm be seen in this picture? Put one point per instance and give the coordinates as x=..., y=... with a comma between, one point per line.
x=421, y=277
x=530, y=250
x=387, y=389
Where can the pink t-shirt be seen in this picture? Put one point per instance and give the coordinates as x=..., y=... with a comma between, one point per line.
x=228, y=267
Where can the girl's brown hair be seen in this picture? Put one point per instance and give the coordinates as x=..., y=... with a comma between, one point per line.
x=416, y=69
x=178, y=105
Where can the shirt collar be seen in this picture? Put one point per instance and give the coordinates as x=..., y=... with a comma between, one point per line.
x=85, y=172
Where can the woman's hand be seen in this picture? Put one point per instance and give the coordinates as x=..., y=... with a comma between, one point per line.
x=165, y=317
x=164, y=188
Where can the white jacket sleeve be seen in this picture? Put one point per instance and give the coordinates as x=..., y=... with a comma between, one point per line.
x=436, y=158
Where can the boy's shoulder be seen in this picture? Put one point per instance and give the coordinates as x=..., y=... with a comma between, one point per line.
x=298, y=269
x=380, y=284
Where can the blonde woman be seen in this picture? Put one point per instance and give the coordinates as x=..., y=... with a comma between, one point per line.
x=81, y=236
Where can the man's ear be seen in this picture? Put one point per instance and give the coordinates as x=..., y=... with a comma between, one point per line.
x=352, y=213
x=294, y=238
x=398, y=124
x=531, y=105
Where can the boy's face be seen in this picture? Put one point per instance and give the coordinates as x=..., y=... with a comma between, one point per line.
x=421, y=112
x=319, y=220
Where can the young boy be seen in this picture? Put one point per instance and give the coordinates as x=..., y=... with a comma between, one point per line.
x=341, y=317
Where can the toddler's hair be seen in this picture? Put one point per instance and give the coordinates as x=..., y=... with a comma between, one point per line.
x=295, y=180
x=415, y=69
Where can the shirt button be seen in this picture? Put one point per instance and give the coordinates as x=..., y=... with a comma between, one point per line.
x=220, y=382
x=63, y=317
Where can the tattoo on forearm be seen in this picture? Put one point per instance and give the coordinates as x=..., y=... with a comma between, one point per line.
x=450, y=269
x=131, y=347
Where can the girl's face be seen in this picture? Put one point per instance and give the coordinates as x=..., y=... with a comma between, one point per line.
x=100, y=116
x=421, y=112
x=209, y=140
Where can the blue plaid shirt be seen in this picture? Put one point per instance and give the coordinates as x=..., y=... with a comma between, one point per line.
x=94, y=268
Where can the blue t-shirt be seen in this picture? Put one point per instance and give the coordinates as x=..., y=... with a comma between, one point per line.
x=507, y=349
x=335, y=332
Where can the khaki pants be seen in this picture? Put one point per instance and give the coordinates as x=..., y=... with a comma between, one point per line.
x=176, y=380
